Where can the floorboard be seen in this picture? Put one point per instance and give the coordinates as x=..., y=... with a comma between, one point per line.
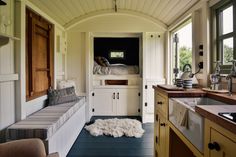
x=87, y=145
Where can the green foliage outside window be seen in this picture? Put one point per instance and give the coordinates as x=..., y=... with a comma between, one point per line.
x=185, y=56
x=228, y=54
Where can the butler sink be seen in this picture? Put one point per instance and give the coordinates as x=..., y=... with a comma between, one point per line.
x=193, y=101
x=183, y=116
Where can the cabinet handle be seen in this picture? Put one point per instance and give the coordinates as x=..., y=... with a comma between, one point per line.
x=159, y=102
x=114, y=95
x=118, y=96
x=213, y=146
x=163, y=124
x=156, y=139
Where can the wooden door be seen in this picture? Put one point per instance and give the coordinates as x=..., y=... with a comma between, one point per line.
x=104, y=102
x=39, y=58
x=226, y=145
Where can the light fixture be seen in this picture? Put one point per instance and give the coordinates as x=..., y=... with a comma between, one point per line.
x=115, y=6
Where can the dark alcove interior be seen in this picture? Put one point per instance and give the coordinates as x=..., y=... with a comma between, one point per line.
x=128, y=46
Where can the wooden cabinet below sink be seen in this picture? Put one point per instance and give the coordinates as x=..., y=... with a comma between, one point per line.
x=218, y=141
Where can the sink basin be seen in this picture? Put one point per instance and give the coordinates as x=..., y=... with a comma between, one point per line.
x=193, y=101
x=193, y=131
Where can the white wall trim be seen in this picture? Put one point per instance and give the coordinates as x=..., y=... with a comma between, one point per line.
x=84, y=18
x=8, y=77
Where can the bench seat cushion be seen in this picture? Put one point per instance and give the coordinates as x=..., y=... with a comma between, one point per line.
x=44, y=123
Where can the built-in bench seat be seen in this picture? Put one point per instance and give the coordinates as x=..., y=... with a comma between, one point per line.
x=58, y=126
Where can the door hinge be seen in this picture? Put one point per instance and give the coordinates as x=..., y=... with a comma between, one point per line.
x=139, y=110
x=156, y=117
x=156, y=139
x=145, y=103
x=146, y=86
x=93, y=94
x=93, y=110
x=139, y=94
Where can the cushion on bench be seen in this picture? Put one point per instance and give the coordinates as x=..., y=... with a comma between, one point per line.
x=44, y=123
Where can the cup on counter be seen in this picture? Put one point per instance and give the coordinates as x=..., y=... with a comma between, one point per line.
x=179, y=82
x=187, y=83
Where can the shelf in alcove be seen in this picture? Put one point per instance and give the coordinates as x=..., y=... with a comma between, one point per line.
x=4, y=39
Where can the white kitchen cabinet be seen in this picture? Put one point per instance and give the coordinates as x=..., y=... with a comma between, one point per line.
x=116, y=101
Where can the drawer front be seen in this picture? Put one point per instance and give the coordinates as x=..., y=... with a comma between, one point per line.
x=161, y=104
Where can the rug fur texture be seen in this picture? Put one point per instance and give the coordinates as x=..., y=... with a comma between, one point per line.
x=116, y=127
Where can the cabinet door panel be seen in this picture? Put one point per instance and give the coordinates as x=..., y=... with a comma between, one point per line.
x=104, y=102
x=127, y=101
x=227, y=146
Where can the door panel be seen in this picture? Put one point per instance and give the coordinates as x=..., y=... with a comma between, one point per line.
x=127, y=101
x=104, y=102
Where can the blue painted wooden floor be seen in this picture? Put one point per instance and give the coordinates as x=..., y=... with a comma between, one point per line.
x=87, y=145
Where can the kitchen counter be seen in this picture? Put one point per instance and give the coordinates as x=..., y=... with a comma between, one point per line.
x=208, y=111
x=211, y=112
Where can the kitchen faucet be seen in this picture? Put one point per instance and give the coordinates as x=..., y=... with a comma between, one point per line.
x=215, y=77
x=231, y=75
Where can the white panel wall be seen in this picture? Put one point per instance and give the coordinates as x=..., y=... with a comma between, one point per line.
x=61, y=53
x=153, y=56
x=153, y=71
x=76, y=60
x=7, y=90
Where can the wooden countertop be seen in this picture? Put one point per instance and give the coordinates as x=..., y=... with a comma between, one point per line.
x=211, y=112
x=208, y=111
x=194, y=92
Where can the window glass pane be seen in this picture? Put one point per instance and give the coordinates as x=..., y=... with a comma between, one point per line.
x=227, y=20
x=227, y=50
x=116, y=54
x=185, y=45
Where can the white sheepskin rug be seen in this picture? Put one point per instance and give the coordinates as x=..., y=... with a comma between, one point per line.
x=116, y=127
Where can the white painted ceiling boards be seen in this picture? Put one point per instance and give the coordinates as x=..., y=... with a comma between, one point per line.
x=66, y=12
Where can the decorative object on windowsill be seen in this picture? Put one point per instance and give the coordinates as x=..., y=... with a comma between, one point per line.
x=116, y=127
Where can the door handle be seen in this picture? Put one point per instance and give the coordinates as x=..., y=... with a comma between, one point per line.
x=159, y=102
x=213, y=146
x=162, y=124
x=114, y=96
x=118, y=96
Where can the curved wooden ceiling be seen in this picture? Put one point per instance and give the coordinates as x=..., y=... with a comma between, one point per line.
x=65, y=11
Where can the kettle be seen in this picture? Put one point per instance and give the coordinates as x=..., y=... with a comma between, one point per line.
x=188, y=75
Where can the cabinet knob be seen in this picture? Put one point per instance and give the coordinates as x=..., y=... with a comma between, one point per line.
x=213, y=146
x=163, y=124
x=159, y=102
